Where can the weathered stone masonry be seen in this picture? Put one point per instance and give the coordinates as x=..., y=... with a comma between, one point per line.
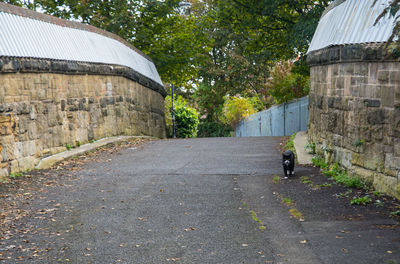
x=47, y=104
x=355, y=112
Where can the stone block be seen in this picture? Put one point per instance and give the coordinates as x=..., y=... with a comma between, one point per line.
x=9, y=149
x=373, y=156
x=394, y=77
x=376, y=117
x=387, y=95
x=27, y=163
x=385, y=184
x=4, y=173
x=14, y=166
x=383, y=76
x=372, y=102
x=396, y=145
x=362, y=173
x=392, y=162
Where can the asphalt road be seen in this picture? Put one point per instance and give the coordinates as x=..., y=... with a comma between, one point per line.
x=193, y=201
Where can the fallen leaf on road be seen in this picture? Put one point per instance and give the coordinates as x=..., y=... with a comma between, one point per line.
x=389, y=252
x=303, y=241
x=245, y=245
x=345, y=250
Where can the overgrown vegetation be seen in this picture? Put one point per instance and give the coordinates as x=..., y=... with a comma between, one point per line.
x=338, y=174
x=284, y=85
x=361, y=200
x=186, y=118
x=237, y=108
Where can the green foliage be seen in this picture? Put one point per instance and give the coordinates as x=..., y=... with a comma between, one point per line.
x=255, y=218
x=208, y=128
x=319, y=162
x=306, y=180
x=395, y=213
x=276, y=179
x=284, y=85
x=361, y=200
x=16, y=175
x=358, y=143
x=186, y=118
x=377, y=194
x=237, y=108
x=345, y=194
x=339, y=175
x=310, y=148
x=290, y=144
x=78, y=143
x=68, y=146
x=287, y=201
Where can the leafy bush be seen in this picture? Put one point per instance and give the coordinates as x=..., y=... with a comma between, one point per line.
x=236, y=108
x=208, y=128
x=319, y=162
x=284, y=85
x=186, y=118
x=361, y=200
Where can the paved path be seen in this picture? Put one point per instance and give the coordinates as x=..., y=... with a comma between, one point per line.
x=185, y=201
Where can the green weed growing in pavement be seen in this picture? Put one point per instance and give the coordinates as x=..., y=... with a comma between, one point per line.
x=287, y=201
x=305, y=180
x=276, y=179
x=324, y=185
x=255, y=218
x=345, y=194
x=377, y=194
x=395, y=213
x=296, y=214
x=361, y=200
x=68, y=146
x=78, y=143
x=16, y=175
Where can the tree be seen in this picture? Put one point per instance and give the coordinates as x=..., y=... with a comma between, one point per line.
x=236, y=108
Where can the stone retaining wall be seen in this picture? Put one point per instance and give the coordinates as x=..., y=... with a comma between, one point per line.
x=355, y=112
x=46, y=105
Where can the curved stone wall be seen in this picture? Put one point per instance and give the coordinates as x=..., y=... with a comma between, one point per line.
x=355, y=112
x=48, y=103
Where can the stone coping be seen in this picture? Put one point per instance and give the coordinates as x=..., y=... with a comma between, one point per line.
x=370, y=52
x=24, y=12
x=34, y=65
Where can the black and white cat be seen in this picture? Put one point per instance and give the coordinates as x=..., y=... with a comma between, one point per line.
x=288, y=163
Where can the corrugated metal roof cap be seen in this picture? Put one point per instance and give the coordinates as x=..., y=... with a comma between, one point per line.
x=351, y=22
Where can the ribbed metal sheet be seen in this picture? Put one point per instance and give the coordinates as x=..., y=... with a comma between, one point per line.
x=353, y=22
x=26, y=37
x=279, y=120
